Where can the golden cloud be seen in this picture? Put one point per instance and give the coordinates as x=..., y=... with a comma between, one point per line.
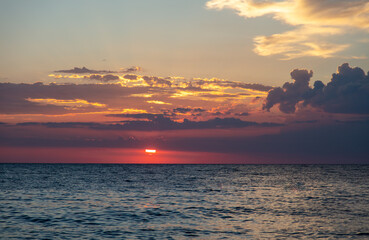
x=70, y=104
x=315, y=20
x=158, y=102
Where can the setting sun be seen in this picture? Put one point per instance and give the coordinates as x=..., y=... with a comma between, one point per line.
x=247, y=120
x=150, y=150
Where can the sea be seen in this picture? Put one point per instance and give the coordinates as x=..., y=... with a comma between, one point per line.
x=112, y=201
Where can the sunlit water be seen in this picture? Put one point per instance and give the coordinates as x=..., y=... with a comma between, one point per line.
x=61, y=201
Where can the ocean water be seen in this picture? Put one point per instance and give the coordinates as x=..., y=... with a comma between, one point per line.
x=76, y=201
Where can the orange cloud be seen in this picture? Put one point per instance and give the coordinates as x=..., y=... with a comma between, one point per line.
x=71, y=104
x=158, y=102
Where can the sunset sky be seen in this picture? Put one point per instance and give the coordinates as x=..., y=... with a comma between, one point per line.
x=216, y=81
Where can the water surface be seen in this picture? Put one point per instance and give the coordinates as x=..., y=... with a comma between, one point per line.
x=72, y=201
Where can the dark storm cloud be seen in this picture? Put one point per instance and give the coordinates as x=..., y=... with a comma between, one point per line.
x=291, y=93
x=347, y=92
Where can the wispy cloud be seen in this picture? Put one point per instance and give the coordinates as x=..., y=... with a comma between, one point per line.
x=158, y=102
x=314, y=21
x=68, y=104
x=84, y=70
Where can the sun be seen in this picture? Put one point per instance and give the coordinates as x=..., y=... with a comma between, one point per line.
x=151, y=151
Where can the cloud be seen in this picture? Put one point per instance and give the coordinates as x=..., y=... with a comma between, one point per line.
x=188, y=87
x=149, y=116
x=339, y=142
x=303, y=12
x=347, y=92
x=68, y=104
x=130, y=76
x=242, y=114
x=162, y=122
x=196, y=83
x=96, y=76
x=52, y=98
x=314, y=22
x=166, y=113
x=299, y=43
x=188, y=110
x=153, y=122
x=336, y=142
x=103, y=78
x=180, y=112
x=99, y=75
x=84, y=70
x=215, y=83
x=130, y=69
x=158, y=102
x=157, y=81
x=291, y=93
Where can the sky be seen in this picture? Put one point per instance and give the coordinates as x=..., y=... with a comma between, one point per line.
x=213, y=81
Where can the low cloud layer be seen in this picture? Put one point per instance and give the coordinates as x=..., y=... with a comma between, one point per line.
x=340, y=142
x=188, y=110
x=347, y=92
x=133, y=79
x=315, y=22
x=154, y=122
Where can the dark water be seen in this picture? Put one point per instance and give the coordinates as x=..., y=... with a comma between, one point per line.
x=61, y=201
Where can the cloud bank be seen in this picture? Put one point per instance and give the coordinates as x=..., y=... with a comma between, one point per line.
x=154, y=122
x=347, y=92
x=201, y=115
x=341, y=142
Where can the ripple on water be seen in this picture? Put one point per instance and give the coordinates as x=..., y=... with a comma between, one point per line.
x=40, y=201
